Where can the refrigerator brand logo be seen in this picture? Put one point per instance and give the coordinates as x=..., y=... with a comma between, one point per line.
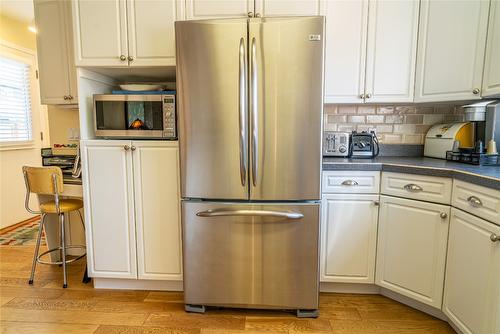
x=315, y=37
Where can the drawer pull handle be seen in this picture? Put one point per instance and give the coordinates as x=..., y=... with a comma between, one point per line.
x=474, y=201
x=411, y=187
x=349, y=183
x=494, y=237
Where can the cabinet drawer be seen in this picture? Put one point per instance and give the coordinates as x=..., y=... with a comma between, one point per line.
x=421, y=187
x=480, y=201
x=349, y=182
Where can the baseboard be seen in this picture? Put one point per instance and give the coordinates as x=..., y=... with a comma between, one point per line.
x=21, y=223
x=137, y=284
x=361, y=288
x=437, y=313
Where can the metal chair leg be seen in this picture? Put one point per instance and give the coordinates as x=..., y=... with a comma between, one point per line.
x=63, y=249
x=37, y=249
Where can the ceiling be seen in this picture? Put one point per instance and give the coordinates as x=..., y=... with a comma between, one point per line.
x=21, y=10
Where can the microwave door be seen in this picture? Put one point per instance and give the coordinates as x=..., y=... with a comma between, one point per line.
x=211, y=83
x=286, y=104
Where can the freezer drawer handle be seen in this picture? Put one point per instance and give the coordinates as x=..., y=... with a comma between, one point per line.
x=261, y=213
x=243, y=112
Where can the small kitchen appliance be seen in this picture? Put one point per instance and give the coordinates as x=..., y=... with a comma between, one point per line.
x=442, y=137
x=364, y=145
x=149, y=115
x=336, y=144
x=485, y=116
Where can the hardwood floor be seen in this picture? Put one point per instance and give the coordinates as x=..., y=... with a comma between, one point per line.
x=46, y=307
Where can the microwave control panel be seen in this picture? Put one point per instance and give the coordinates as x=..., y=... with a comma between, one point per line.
x=169, y=117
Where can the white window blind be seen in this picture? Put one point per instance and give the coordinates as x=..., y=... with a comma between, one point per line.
x=15, y=101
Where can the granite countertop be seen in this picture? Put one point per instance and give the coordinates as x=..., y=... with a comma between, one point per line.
x=488, y=176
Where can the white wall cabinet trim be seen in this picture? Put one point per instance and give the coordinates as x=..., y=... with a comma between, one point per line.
x=203, y=9
x=289, y=8
x=491, y=77
x=451, y=46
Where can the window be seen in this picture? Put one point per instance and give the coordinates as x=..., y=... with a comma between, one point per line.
x=15, y=101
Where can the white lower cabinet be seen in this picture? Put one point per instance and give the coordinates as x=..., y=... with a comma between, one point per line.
x=349, y=238
x=411, y=251
x=472, y=289
x=131, y=196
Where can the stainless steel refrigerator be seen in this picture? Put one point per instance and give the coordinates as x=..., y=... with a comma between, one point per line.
x=250, y=101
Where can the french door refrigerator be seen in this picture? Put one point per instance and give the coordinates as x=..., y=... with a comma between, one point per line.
x=250, y=101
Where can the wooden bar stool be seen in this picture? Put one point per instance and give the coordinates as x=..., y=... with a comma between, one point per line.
x=49, y=181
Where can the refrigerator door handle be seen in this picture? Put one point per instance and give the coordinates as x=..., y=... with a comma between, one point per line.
x=260, y=213
x=243, y=102
x=255, y=115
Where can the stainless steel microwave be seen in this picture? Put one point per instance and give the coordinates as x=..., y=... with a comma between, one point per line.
x=140, y=116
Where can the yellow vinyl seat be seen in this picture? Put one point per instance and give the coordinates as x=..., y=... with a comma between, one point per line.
x=49, y=181
x=65, y=205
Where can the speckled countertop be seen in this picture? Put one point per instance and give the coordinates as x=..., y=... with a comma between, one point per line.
x=488, y=176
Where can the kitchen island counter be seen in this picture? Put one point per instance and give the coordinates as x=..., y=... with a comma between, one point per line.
x=487, y=176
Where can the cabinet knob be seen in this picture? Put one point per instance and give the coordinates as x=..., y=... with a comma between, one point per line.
x=66, y=97
x=368, y=96
x=376, y=203
x=133, y=148
x=130, y=58
x=70, y=97
x=126, y=147
x=250, y=14
x=257, y=14
x=123, y=58
x=361, y=96
x=476, y=91
x=494, y=237
x=349, y=183
x=413, y=188
x=443, y=215
x=474, y=201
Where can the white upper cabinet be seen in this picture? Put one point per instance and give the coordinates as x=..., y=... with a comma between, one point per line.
x=151, y=31
x=411, y=248
x=54, y=50
x=391, y=51
x=491, y=79
x=472, y=288
x=370, y=50
x=451, y=49
x=125, y=32
x=100, y=29
x=289, y=8
x=211, y=9
x=345, y=54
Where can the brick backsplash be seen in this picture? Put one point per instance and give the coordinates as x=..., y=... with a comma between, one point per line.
x=394, y=124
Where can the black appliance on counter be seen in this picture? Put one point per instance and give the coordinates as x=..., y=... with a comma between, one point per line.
x=69, y=164
x=364, y=145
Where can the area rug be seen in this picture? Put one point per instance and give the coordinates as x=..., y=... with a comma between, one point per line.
x=22, y=234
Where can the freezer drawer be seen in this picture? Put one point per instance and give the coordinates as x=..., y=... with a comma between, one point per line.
x=251, y=254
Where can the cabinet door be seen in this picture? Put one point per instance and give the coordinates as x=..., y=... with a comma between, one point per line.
x=411, y=251
x=451, y=47
x=157, y=209
x=345, y=55
x=349, y=238
x=472, y=288
x=289, y=8
x=109, y=209
x=210, y=9
x=100, y=32
x=391, y=51
x=151, y=37
x=491, y=80
x=52, y=51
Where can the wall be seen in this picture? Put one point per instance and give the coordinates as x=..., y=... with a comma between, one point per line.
x=61, y=120
x=395, y=124
x=12, y=189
